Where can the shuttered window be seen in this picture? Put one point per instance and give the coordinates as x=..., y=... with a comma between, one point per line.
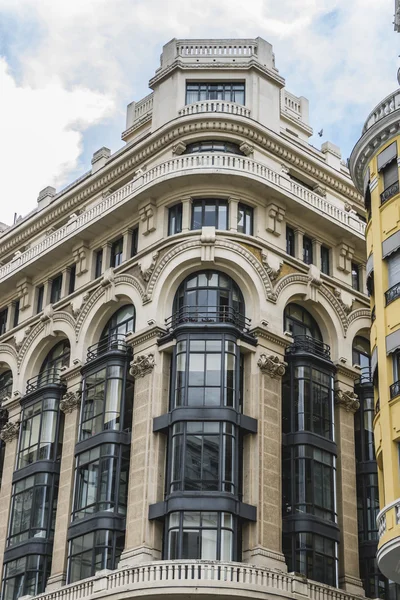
x=390, y=174
x=385, y=157
x=393, y=262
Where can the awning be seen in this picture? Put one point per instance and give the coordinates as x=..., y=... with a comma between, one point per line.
x=370, y=265
x=387, y=156
x=374, y=360
x=391, y=244
x=393, y=342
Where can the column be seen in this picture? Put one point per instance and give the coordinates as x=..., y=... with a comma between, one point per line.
x=262, y=541
x=150, y=368
x=346, y=404
x=298, y=243
x=186, y=213
x=9, y=434
x=127, y=245
x=69, y=405
x=65, y=282
x=233, y=213
x=106, y=257
x=316, y=250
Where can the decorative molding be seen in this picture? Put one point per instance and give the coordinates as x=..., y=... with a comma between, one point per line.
x=359, y=313
x=247, y=149
x=10, y=431
x=275, y=216
x=178, y=148
x=7, y=349
x=273, y=274
x=272, y=365
x=347, y=399
x=28, y=341
x=153, y=332
x=346, y=307
x=142, y=365
x=70, y=402
x=146, y=273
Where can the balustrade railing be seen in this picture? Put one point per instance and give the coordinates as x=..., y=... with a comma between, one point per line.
x=108, y=344
x=190, y=162
x=395, y=390
x=206, y=315
x=215, y=106
x=392, y=293
x=392, y=190
x=245, y=48
x=49, y=377
x=384, y=108
x=144, y=106
x=381, y=518
x=305, y=343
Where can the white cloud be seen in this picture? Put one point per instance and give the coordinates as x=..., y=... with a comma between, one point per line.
x=88, y=58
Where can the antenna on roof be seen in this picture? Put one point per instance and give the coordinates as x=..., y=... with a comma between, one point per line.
x=15, y=217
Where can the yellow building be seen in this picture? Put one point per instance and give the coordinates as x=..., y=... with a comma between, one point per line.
x=374, y=166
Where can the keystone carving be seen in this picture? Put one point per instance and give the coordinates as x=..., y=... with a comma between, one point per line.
x=348, y=399
x=246, y=148
x=147, y=273
x=10, y=431
x=272, y=365
x=70, y=402
x=273, y=274
x=275, y=216
x=141, y=365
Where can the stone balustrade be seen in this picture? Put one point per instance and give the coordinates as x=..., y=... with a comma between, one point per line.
x=291, y=103
x=381, y=518
x=191, y=163
x=215, y=106
x=178, y=578
x=144, y=107
x=235, y=48
x=384, y=108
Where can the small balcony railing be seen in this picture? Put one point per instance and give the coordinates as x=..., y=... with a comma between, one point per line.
x=115, y=342
x=208, y=315
x=49, y=377
x=392, y=293
x=305, y=343
x=365, y=376
x=392, y=190
x=395, y=390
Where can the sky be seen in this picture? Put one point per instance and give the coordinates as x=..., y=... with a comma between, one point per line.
x=69, y=68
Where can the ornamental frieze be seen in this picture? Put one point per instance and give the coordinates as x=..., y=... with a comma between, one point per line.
x=141, y=365
x=272, y=365
x=10, y=431
x=349, y=400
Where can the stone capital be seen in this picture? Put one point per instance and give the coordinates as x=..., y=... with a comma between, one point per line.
x=70, y=402
x=272, y=365
x=142, y=365
x=348, y=400
x=10, y=431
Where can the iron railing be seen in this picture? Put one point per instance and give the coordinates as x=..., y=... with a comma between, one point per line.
x=114, y=342
x=208, y=315
x=392, y=190
x=305, y=343
x=392, y=293
x=48, y=377
x=365, y=376
x=395, y=390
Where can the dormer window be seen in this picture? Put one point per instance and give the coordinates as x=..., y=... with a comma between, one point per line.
x=227, y=91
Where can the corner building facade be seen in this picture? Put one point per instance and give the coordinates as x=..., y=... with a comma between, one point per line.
x=182, y=331
x=375, y=170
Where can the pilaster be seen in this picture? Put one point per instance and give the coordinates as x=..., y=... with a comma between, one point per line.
x=186, y=211
x=346, y=404
x=233, y=213
x=262, y=540
x=126, y=245
x=298, y=243
x=69, y=405
x=316, y=248
x=150, y=368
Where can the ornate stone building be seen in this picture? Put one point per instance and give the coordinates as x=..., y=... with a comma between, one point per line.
x=182, y=330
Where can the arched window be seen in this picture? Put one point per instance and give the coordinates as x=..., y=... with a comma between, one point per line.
x=300, y=323
x=114, y=333
x=209, y=297
x=6, y=384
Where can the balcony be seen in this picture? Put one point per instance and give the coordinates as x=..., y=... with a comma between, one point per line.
x=365, y=377
x=305, y=343
x=49, y=377
x=392, y=293
x=227, y=164
x=395, y=390
x=108, y=344
x=208, y=579
x=389, y=105
x=388, y=522
x=208, y=315
x=392, y=190
x=214, y=106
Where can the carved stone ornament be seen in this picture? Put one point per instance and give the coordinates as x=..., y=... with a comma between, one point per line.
x=142, y=364
x=348, y=399
x=273, y=274
x=272, y=365
x=10, y=431
x=147, y=273
x=70, y=402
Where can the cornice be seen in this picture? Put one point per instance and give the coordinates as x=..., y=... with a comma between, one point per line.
x=370, y=143
x=131, y=157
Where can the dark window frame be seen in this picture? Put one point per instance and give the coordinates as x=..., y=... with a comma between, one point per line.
x=220, y=206
x=134, y=241
x=56, y=288
x=325, y=260
x=16, y=312
x=205, y=91
x=307, y=250
x=110, y=551
x=355, y=276
x=247, y=213
x=3, y=320
x=72, y=279
x=210, y=146
x=98, y=261
x=116, y=253
x=31, y=579
x=290, y=241
x=300, y=556
x=39, y=299
x=175, y=218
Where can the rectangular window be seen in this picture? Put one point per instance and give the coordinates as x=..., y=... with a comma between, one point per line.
x=98, y=263
x=56, y=286
x=72, y=276
x=245, y=219
x=228, y=91
x=135, y=239
x=210, y=213
x=290, y=241
x=355, y=276
x=393, y=264
x=40, y=296
x=325, y=260
x=16, y=313
x=175, y=219
x=3, y=321
x=116, y=252
x=307, y=250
